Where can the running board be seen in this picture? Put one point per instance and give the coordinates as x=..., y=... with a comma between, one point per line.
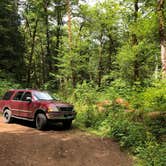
x=22, y=118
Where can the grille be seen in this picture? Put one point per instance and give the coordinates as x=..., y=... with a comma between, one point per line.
x=66, y=108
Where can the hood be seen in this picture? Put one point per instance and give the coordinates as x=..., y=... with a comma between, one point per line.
x=56, y=103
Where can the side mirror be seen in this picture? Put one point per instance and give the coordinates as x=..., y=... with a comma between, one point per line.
x=29, y=99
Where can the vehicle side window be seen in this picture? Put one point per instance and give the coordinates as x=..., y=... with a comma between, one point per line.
x=27, y=94
x=8, y=95
x=18, y=96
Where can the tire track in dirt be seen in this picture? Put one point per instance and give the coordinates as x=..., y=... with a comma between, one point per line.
x=23, y=145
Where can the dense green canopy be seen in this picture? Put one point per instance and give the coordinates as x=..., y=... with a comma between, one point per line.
x=66, y=42
x=11, y=41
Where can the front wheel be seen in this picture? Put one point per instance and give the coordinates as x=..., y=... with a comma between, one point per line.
x=41, y=121
x=67, y=124
x=7, y=115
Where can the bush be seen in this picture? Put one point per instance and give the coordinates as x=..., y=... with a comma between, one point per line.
x=151, y=99
x=140, y=134
x=131, y=135
x=6, y=85
x=152, y=155
x=157, y=126
x=85, y=93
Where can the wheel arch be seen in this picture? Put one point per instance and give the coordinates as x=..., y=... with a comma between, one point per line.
x=5, y=108
x=39, y=111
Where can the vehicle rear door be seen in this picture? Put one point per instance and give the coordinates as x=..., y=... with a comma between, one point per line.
x=5, y=102
x=16, y=103
x=26, y=106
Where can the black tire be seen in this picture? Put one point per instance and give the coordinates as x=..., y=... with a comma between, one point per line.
x=41, y=121
x=7, y=116
x=67, y=124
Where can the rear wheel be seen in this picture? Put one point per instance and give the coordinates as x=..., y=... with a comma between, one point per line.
x=7, y=115
x=41, y=121
x=67, y=124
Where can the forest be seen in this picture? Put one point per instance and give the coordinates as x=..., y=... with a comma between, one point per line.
x=108, y=58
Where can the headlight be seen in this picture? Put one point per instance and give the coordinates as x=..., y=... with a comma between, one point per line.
x=53, y=109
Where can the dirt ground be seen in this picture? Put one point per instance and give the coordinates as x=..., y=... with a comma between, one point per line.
x=22, y=145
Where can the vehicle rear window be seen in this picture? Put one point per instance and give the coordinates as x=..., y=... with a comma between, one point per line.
x=18, y=96
x=8, y=95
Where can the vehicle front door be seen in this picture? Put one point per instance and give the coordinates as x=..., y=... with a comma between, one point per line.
x=26, y=106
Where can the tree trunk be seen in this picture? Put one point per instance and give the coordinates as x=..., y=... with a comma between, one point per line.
x=100, y=66
x=31, y=53
x=43, y=67
x=48, y=52
x=112, y=52
x=69, y=23
x=162, y=35
x=163, y=58
x=73, y=73
x=58, y=35
x=135, y=42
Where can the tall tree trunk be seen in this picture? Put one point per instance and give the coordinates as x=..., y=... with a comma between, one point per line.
x=31, y=53
x=16, y=3
x=73, y=74
x=100, y=61
x=48, y=52
x=100, y=66
x=43, y=68
x=162, y=34
x=135, y=42
x=69, y=23
x=58, y=35
x=112, y=51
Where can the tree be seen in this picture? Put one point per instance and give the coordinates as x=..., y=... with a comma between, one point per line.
x=11, y=43
x=108, y=41
x=137, y=56
x=43, y=30
x=162, y=34
x=94, y=44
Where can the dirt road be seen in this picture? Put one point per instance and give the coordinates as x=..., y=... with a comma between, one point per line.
x=23, y=145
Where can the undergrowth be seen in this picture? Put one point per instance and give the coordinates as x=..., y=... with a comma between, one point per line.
x=134, y=116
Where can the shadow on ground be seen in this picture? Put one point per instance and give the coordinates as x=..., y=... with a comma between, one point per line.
x=50, y=126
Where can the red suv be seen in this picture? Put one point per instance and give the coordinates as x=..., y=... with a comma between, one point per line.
x=36, y=106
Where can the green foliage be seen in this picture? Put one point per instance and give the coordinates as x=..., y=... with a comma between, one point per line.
x=85, y=93
x=11, y=43
x=114, y=53
x=6, y=85
x=85, y=97
x=152, y=155
x=152, y=98
x=101, y=50
x=131, y=135
x=141, y=54
x=157, y=126
x=137, y=133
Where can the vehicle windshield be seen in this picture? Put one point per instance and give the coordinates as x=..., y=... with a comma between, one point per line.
x=42, y=96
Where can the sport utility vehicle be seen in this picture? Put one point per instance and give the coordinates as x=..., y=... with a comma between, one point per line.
x=37, y=106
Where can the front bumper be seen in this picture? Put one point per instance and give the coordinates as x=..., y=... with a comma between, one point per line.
x=61, y=116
